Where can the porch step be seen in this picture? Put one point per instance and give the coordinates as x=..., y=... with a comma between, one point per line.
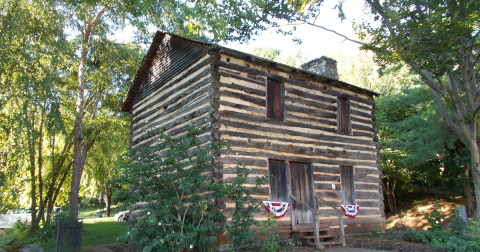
x=327, y=244
x=327, y=236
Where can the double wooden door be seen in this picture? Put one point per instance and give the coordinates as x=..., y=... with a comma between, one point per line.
x=301, y=184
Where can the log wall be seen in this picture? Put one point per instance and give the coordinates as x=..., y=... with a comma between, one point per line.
x=174, y=94
x=308, y=134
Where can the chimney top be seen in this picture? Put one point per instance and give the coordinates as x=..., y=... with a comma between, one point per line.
x=323, y=66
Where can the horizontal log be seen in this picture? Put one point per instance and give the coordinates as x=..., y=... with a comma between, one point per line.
x=364, y=186
x=227, y=110
x=317, y=141
x=263, y=144
x=186, y=85
x=291, y=133
x=149, y=139
x=302, y=159
x=165, y=116
x=367, y=195
x=313, y=97
x=311, y=118
x=317, y=104
x=369, y=203
x=356, y=127
x=245, y=97
x=237, y=75
x=359, y=113
x=260, y=161
x=368, y=121
x=365, y=178
x=172, y=120
x=361, y=229
x=317, y=86
x=291, y=109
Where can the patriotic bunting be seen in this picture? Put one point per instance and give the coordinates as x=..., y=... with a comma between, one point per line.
x=276, y=208
x=350, y=210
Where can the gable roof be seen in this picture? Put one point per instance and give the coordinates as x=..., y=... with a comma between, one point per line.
x=159, y=36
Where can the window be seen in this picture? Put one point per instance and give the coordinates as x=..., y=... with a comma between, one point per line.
x=348, y=191
x=275, y=104
x=343, y=116
x=278, y=180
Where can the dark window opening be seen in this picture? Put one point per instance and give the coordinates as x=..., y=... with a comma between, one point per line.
x=278, y=180
x=348, y=188
x=275, y=104
x=343, y=116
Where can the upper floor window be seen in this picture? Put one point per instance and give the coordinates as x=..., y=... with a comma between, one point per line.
x=343, y=116
x=275, y=100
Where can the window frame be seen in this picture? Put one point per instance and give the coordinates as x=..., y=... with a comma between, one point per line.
x=271, y=102
x=344, y=120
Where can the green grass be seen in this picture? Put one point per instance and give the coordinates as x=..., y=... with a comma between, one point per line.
x=102, y=231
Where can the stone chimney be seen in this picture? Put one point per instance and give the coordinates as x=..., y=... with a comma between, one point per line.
x=324, y=66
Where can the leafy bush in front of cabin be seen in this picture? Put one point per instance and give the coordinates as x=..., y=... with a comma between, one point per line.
x=240, y=228
x=175, y=176
x=460, y=235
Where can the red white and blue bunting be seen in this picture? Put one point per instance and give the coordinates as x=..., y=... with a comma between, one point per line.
x=350, y=210
x=278, y=209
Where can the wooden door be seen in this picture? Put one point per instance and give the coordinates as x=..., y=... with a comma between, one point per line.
x=278, y=180
x=302, y=189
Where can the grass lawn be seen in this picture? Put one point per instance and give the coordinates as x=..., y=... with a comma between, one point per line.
x=102, y=231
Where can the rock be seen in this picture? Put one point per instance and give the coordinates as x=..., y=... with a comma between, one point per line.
x=31, y=248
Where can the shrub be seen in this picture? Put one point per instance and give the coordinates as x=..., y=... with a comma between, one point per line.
x=267, y=228
x=458, y=237
x=175, y=178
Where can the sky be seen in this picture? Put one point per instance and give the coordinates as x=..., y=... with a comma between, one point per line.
x=316, y=42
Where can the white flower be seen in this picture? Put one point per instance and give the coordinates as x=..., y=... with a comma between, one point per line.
x=173, y=231
x=128, y=233
x=191, y=246
x=148, y=213
x=159, y=223
x=161, y=240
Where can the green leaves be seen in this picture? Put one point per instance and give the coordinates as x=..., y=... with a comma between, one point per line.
x=173, y=176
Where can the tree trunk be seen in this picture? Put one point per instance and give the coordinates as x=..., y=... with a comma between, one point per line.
x=108, y=194
x=467, y=190
x=78, y=159
x=475, y=161
x=78, y=136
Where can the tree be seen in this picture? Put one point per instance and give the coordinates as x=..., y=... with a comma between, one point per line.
x=291, y=59
x=32, y=53
x=440, y=41
x=413, y=143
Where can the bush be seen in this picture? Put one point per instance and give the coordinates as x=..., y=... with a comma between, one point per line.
x=459, y=236
x=16, y=237
x=267, y=228
x=175, y=177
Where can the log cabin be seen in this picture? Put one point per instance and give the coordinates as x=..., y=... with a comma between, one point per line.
x=312, y=132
